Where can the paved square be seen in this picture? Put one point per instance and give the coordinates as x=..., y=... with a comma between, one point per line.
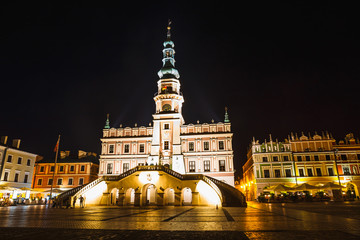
x=258, y=221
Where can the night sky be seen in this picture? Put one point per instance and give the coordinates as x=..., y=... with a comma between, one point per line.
x=278, y=67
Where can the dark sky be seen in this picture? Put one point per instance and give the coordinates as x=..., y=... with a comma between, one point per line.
x=279, y=67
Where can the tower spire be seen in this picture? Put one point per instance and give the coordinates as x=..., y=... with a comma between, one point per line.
x=107, y=123
x=226, y=120
x=168, y=69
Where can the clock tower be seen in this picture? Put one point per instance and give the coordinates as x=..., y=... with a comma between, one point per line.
x=167, y=119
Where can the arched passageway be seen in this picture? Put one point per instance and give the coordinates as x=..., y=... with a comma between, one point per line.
x=129, y=197
x=169, y=197
x=150, y=194
x=186, y=197
x=114, y=196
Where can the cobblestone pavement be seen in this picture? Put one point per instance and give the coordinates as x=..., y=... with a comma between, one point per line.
x=258, y=221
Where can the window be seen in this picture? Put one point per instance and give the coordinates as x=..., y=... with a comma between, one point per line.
x=316, y=158
x=26, y=177
x=206, y=146
x=52, y=168
x=109, y=168
x=288, y=172
x=343, y=157
x=28, y=162
x=142, y=148
x=346, y=170
x=6, y=176
x=222, y=165
x=42, y=168
x=307, y=158
x=299, y=159
x=358, y=156
x=39, y=182
x=141, y=164
x=264, y=159
x=191, y=166
x=166, y=126
x=327, y=157
x=111, y=148
x=275, y=159
x=126, y=148
x=318, y=172
x=126, y=167
x=331, y=171
x=266, y=173
x=206, y=166
x=309, y=172
x=72, y=168
x=301, y=172
x=61, y=168
x=50, y=181
x=59, y=181
x=9, y=159
x=81, y=181
x=166, y=145
x=19, y=160
x=277, y=173
x=82, y=168
x=70, y=181
x=221, y=145
x=286, y=158
x=191, y=146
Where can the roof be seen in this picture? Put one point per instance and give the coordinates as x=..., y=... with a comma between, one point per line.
x=70, y=159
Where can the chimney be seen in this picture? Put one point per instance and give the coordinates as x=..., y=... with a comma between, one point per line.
x=4, y=140
x=16, y=143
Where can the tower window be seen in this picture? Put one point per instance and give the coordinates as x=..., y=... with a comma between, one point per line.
x=142, y=148
x=221, y=145
x=166, y=126
x=166, y=145
x=191, y=146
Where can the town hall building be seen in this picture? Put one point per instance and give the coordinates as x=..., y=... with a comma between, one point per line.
x=184, y=148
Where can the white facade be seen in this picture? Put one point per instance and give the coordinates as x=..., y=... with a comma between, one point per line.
x=188, y=149
x=17, y=167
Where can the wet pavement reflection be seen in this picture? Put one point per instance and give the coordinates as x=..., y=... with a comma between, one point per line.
x=257, y=221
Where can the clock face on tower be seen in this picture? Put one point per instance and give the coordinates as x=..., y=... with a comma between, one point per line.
x=166, y=108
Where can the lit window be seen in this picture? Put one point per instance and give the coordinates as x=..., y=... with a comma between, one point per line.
x=207, y=166
x=126, y=167
x=191, y=166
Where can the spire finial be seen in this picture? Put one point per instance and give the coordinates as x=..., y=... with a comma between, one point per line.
x=226, y=120
x=107, y=123
x=168, y=28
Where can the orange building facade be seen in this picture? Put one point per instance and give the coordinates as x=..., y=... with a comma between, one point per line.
x=70, y=172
